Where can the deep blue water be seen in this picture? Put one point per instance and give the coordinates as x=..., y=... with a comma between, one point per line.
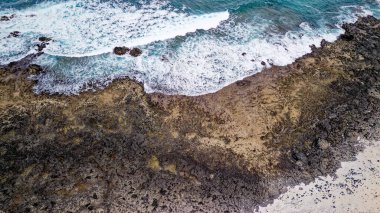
x=189, y=46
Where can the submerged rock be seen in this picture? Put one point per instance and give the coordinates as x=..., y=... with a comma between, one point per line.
x=164, y=58
x=44, y=41
x=14, y=34
x=346, y=37
x=7, y=18
x=41, y=47
x=313, y=47
x=121, y=50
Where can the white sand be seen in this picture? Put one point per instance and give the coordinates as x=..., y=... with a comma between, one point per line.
x=355, y=189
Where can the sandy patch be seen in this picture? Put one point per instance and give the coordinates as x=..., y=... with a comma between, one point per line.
x=356, y=188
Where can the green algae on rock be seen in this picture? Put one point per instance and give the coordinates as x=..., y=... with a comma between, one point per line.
x=120, y=149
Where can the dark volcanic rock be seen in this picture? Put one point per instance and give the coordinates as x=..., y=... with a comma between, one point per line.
x=324, y=43
x=121, y=50
x=44, y=39
x=121, y=149
x=346, y=37
x=313, y=47
x=135, y=52
x=14, y=34
x=7, y=18
x=41, y=47
x=34, y=69
x=4, y=18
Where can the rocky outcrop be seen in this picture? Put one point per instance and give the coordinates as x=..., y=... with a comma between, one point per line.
x=14, y=34
x=120, y=149
x=121, y=50
x=44, y=42
x=135, y=52
x=44, y=39
x=7, y=18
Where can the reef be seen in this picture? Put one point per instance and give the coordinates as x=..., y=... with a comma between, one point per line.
x=123, y=150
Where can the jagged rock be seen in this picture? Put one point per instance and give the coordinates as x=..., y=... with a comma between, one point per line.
x=270, y=62
x=41, y=47
x=164, y=58
x=14, y=34
x=44, y=39
x=4, y=18
x=255, y=139
x=135, y=52
x=7, y=18
x=121, y=50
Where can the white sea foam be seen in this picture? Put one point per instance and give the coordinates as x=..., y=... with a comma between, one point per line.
x=195, y=64
x=201, y=64
x=89, y=27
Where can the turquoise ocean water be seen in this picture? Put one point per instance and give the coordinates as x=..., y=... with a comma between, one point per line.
x=189, y=47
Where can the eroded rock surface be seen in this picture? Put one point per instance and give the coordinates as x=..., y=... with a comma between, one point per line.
x=122, y=150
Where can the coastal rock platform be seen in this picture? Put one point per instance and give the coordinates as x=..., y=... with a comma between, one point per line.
x=123, y=150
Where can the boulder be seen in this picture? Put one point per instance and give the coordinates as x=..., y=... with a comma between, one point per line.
x=41, y=47
x=4, y=18
x=120, y=50
x=44, y=39
x=7, y=18
x=135, y=52
x=34, y=69
x=313, y=47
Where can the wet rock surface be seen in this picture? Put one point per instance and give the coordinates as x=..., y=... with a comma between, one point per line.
x=7, y=18
x=135, y=52
x=120, y=149
x=44, y=39
x=14, y=34
x=121, y=50
x=43, y=43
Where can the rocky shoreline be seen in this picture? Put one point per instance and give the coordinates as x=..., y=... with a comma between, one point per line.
x=122, y=150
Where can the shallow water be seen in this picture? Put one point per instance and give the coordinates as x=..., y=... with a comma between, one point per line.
x=189, y=47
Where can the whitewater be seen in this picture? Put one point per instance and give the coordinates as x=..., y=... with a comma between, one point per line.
x=189, y=47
